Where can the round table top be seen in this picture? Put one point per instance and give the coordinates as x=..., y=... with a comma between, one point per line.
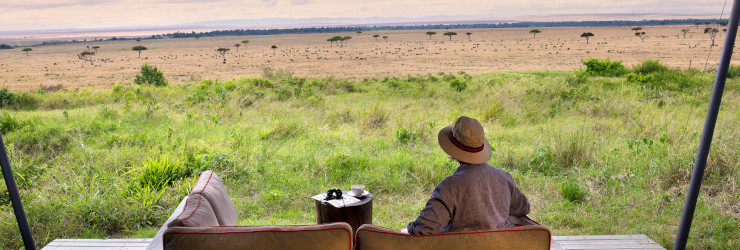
x=363, y=200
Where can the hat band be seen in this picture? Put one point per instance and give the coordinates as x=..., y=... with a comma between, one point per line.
x=463, y=147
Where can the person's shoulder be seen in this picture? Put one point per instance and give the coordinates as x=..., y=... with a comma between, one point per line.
x=499, y=172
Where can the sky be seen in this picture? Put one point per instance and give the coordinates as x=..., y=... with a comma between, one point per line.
x=18, y=15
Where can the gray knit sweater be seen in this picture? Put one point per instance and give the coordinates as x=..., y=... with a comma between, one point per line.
x=474, y=198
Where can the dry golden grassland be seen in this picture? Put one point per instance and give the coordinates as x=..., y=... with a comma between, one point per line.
x=405, y=52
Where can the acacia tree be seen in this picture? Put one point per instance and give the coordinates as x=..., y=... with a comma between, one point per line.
x=376, y=37
x=641, y=35
x=86, y=56
x=430, y=34
x=469, y=33
x=712, y=32
x=138, y=48
x=587, y=35
x=245, y=43
x=337, y=39
x=223, y=52
x=358, y=32
x=346, y=38
x=237, y=47
x=697, y=25
x=274, y=47
x=450, y=34
x=385, y=38
x=534, y=32
x=684, y=32
x=27, y=50
x=96, y=48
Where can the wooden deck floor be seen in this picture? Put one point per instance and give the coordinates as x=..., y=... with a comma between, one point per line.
x=635, y=241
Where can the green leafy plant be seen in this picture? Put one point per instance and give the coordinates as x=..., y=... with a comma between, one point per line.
x=458, y=85
x=542, y=161
x=639, y=78
x=406, y=136
x=8, y=123
x=6, y=97
x=159, y=173
x=572, y=191
x=604, y=67
x=194, y=164
x=150, y=75
x=732, y=72
x=649, y=66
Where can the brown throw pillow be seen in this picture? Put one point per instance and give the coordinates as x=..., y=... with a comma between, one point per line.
x=197, y=213
x=211, y=187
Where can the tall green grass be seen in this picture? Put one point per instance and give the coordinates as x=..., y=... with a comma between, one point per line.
x=595, y=155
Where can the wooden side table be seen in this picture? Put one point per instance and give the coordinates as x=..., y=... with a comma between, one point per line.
x=355, y=215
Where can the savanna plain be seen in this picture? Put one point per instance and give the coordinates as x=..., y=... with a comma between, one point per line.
x=599, y=146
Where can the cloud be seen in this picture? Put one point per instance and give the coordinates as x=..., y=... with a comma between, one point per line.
x=50, y=4
x=300, y=2
x=55, y=14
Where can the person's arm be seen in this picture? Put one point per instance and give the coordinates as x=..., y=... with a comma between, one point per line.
x=435, y=215
x=519, y=202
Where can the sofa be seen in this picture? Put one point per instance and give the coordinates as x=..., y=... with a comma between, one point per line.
x=206, y=219
x=371, y=237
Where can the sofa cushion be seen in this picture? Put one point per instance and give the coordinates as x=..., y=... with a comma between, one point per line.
x=371, y=237
x=211, y=187
x=324, y=236
x=197, y=213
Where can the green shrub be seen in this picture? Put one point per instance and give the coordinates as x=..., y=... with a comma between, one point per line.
x=572, y=191
x=194, y=164
x=732, y=72
x=9, y=99
x=639, y=78
x=604, y=67
x=405, y=136
x=542, y=162
x=6, y=97
x=8, y=123
x=160, y=173
x=458, y=85
x=150, y=75
x=649, y=66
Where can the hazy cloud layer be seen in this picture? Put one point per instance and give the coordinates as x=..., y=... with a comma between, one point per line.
x=63, y=14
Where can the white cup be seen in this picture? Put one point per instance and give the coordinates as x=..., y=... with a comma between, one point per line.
x=357, y=190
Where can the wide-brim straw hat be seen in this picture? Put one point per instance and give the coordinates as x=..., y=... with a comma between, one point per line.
x=465, y=141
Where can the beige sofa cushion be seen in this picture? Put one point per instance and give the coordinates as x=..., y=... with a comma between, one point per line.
x=197, y=213
x=324, y=236
x=371, y=237
x=211, y=187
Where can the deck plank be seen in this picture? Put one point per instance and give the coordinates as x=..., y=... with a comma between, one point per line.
x=633, y=241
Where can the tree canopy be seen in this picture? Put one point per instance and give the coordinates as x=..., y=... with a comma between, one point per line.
x=535, y=32
x=430, y=34
x=450, y=34
x=139, y=48
x=27, y=50
x=587, y=35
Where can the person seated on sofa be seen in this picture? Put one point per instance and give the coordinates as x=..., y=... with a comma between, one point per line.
x=477, y=197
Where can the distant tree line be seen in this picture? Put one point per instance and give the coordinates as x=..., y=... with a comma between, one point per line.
x=246, y=32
